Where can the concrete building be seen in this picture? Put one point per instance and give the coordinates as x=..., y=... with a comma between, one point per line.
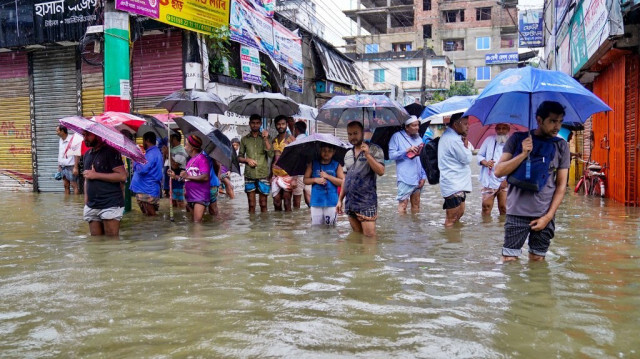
x=471, y=34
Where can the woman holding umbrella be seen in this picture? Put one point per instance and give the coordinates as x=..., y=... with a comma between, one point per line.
x=196, y=176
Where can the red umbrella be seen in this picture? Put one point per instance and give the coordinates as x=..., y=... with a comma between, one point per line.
x=110, y=135
x=121, y=121
x=478, y=133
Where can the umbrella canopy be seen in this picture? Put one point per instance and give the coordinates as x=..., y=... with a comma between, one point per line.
x=214, y=142
x=152, y=124
x=265, y=104
x=479, y=132
x=108, y=134
x=307, y=113
x=381, y=137
x=515, y=94
x=373, y=110
x=438, y=111
x=414, y=109
x=193, y=102
x=299, y=153
x=121, y=121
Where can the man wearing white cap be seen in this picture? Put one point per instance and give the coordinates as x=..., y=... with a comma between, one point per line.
x=404, y=148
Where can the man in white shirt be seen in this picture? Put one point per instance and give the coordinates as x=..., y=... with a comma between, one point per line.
x=300, y=131
x=67, y=165
x=493, y=187
x=454, y=158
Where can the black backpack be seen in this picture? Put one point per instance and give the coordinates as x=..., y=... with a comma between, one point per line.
x=429, y=160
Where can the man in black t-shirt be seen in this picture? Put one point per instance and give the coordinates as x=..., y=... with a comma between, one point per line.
x=104, y=174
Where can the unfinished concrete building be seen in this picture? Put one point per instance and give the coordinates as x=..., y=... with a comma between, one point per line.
x=479, y=37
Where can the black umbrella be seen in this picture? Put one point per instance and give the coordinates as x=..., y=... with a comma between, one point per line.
x=193, y=102
x=299, y=153
x=214, y=142
x=381, y=137
x=154, y=125
x=414, y=109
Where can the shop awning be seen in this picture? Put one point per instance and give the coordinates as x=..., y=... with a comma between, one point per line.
x=336, y=67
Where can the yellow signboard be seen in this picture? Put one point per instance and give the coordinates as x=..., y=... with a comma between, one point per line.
x=196, y=15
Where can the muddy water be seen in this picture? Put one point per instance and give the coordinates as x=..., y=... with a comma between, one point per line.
x=271, y=286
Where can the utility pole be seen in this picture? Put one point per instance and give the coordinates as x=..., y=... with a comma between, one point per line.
x=117, y=93
x=423, y=88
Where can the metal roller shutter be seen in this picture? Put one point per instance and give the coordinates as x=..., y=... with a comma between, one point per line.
x=55, y=96
x=92, y=89
x=16, y=170
x=157, y=70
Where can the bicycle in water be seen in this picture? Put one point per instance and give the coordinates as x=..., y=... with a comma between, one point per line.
x=593, y=180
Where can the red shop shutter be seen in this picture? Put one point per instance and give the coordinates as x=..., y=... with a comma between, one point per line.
x=157, y=70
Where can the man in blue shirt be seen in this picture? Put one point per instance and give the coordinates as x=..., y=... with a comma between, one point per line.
x=455, y=173
x=147, y=178
x=404, y=148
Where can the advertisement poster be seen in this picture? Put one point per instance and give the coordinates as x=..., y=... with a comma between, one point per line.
x=531, y=29
x=288, y=49
x=578, y=44
x=265, y=7
x=596, y=24
x=148, y=8
x=250, y=28
x=250, y=64
x=195, y=15
x=293, y=82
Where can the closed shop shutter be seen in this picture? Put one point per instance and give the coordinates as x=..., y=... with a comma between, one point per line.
x=157, y=70
x=631, y=131
x=92, y=88
x=55, y=96
x=16, y=171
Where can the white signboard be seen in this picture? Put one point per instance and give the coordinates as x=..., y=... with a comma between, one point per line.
x=228, y=93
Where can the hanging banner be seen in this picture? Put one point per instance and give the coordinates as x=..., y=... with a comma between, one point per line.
x=248, y=27
x=531, y=28
x=288, y=49
x=265, y=7
x=250, y=65
x=63, y=20
x=148, y=8
x=195, y=15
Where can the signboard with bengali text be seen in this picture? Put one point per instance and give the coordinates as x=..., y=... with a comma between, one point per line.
x=250, y=65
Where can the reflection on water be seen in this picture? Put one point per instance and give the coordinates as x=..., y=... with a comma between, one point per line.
x=269, y=285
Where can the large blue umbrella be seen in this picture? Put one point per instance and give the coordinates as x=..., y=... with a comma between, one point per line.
x=447, y=107
x=372, y=110
x=515, y=94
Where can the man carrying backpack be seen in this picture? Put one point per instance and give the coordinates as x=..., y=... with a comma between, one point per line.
x=537, y=166
x=454, y=158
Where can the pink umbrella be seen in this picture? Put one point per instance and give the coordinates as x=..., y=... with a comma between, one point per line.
x=478, y=133
x=110, y=135
x=166, y=117
x=121, y=121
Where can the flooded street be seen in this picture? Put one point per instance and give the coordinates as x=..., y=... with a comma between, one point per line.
x=271, y=286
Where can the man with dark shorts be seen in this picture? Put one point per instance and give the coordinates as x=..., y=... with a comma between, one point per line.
x=363, y=164
x=531, y=214
x=147, y=178
x=455, y=173
x=255, y=152
x=104, y=174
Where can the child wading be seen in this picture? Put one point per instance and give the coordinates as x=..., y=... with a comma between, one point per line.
x=325, y=176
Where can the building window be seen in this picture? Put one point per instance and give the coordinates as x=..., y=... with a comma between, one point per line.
x=409, y=74
x=378, y=76
x=453, y=15
x=426, y=5
x=401, y=46
x=483, y=43
x=371, y=48
x=461, y=74
x=453, y=45
x=426, y=31
x=483, y=13
x=508, y=41
x=483, y=73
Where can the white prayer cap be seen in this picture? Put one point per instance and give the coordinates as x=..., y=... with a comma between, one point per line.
x=411, y=120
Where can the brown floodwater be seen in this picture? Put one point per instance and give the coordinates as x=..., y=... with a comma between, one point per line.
x=272, y=286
